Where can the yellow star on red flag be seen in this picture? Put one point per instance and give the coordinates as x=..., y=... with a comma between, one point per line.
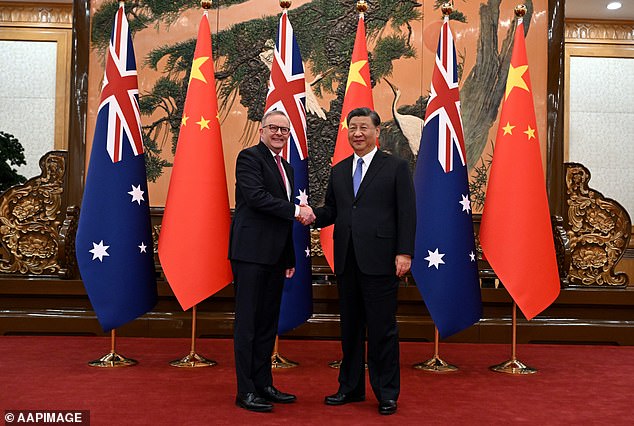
x=508, y=129
x=196, y=71
x=204, y=124
x=354, y=75
x=515, y=79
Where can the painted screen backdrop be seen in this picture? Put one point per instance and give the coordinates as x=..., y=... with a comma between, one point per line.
x=405, y=80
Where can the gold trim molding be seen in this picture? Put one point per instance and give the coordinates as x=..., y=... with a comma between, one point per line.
x=36, y=15
x=599, y=31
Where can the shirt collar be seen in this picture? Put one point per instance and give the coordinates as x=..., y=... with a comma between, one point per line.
x=367, y=158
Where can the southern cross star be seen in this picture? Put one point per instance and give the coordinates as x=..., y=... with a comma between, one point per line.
x=434, y=258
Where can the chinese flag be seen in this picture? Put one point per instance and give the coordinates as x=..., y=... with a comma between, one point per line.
x=516, y=233
x=194, y=235
x=358, y=94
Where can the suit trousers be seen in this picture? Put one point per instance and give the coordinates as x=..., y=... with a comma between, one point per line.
x=258, y=294
x=368, y=301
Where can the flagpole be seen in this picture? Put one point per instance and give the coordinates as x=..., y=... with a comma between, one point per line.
x=435, y=364
x=113, y=359
x=193, y=359
x=513, y=365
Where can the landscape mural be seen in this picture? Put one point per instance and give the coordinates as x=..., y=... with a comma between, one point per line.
x=401, y=35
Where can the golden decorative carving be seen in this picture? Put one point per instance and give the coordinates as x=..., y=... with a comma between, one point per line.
x=599, y=230
x=598, y=30
x=51, y=15
x=29, y=220
x=315, y=244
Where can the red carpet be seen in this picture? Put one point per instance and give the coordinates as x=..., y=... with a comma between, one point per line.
x=575, y=384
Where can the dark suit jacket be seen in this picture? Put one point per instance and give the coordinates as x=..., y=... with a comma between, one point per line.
x=261, y=230
x=380, y=220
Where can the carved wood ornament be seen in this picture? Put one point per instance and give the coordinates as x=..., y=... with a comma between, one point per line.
x=30, y=223
x=599, y=229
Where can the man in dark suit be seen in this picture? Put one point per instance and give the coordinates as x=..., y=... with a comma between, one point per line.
x=262, y=255
x=370, y=199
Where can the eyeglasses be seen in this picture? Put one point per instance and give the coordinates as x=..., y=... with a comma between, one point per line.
x=273, y=128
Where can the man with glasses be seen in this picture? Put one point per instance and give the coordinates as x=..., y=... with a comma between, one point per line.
x=370, y=199
x=262, y=255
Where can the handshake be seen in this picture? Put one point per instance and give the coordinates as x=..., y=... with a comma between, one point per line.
x=306, y=215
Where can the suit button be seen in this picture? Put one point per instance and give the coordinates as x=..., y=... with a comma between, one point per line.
x=354, y=207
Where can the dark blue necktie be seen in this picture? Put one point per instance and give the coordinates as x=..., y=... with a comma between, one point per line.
x=356, y=178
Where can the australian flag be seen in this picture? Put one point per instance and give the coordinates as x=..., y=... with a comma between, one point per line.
x=445, y=267
x=287, y=92
x=114, y=245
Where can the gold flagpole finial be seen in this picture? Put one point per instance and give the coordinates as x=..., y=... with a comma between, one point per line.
x=446, y=9
x=285, y=4
x=362, y=6
x=206, y=4
x=520, y=10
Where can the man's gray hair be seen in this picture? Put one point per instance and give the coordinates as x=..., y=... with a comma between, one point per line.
x=271, y=113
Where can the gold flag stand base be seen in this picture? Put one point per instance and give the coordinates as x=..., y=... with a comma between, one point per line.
x=513, y=366
x=278, y=361
x=193, y=360
x=113, y=359
x=435, y=365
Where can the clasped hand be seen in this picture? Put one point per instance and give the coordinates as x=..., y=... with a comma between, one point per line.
x=306, y=215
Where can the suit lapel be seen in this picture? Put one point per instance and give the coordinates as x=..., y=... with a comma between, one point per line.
x=270, y=161
x=377, y=163
x=347, y=175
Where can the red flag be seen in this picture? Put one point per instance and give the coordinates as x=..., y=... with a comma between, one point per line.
x=516, y=233
x=194, y=235
x=358, y=94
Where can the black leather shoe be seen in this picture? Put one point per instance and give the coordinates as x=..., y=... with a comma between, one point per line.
x=252, y=402
x=341, y=398
x=273, y=395
x=387, y=407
